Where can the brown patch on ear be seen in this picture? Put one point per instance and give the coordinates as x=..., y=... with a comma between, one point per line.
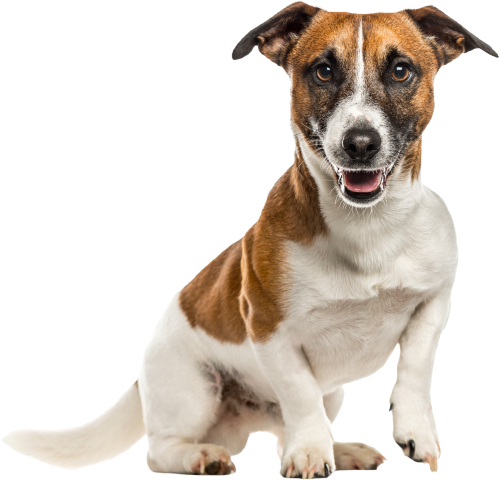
x=275, y=36
x=446, y=34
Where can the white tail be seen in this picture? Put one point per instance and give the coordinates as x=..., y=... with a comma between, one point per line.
x=106, y=437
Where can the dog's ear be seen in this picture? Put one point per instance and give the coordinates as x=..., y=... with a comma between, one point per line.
x=450, y=36
x=276, y=36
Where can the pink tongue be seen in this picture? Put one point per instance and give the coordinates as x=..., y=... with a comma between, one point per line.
x=362, y=181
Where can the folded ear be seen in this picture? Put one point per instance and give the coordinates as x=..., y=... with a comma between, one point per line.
x=451, y=38
x=276, y=36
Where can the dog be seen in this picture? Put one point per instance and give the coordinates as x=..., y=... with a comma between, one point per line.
x=313, y=296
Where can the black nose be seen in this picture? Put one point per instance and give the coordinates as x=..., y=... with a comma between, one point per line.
x=361, y=144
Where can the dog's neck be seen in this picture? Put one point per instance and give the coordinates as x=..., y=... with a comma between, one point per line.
x=368, y=237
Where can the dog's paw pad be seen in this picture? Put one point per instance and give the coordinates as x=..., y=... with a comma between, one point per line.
x=212, y=468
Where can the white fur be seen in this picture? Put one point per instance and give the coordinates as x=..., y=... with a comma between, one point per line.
x=107, y=436
x=359, y=89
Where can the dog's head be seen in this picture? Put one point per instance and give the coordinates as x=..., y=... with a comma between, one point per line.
x=362, y=86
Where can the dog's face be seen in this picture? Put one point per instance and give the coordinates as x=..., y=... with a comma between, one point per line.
x=362, y=92
x=362, y=86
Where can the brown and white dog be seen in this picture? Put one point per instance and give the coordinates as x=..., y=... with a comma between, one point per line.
x=313, y=296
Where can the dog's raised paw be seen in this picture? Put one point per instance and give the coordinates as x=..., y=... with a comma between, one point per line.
x=410, y=447
x=415, y=430
x=356, y=456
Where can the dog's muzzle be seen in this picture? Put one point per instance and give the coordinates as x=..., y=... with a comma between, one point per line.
x=359, y=179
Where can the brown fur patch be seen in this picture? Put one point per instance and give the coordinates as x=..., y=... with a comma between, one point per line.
x=210, y=300
x=413, y=160
x=447, y=34
x=243, y=291
x=291, y=213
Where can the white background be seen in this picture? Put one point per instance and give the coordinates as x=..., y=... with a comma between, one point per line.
x=88, y=208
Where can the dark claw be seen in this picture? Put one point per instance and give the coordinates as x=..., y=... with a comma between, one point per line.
x=411, y=443
x=327, y=472
x=212, y=468
x=390, y=408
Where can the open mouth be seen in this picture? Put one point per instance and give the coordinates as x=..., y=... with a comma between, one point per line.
x=362, y=185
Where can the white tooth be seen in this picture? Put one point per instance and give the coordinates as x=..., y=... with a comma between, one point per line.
x=341, y=179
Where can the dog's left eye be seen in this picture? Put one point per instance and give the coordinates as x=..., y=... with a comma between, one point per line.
x=324, y=73
x=401, y=72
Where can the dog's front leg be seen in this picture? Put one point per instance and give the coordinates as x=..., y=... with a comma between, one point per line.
x=308, y=444
x=414, y=427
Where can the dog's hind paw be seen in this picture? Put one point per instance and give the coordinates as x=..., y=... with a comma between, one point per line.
x=356, y=456
x=211, y=460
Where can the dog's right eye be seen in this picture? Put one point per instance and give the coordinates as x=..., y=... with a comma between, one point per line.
x=401, y=72
x=324, y=73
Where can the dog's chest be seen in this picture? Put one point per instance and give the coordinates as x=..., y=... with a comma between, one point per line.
x=349, y=322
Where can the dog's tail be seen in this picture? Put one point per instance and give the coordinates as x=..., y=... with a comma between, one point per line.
x=106, y=437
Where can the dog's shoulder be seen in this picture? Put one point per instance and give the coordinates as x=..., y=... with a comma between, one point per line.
x=211, y=300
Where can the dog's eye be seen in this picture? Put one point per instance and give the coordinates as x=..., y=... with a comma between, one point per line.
x=324, y=72
x=401, y=72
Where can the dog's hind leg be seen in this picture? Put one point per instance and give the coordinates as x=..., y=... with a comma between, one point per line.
x=231, y=433
x=333, y=403
x=180, y=401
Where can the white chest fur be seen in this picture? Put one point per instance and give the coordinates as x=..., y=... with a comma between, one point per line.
x=347, y=315
x=348, y=322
